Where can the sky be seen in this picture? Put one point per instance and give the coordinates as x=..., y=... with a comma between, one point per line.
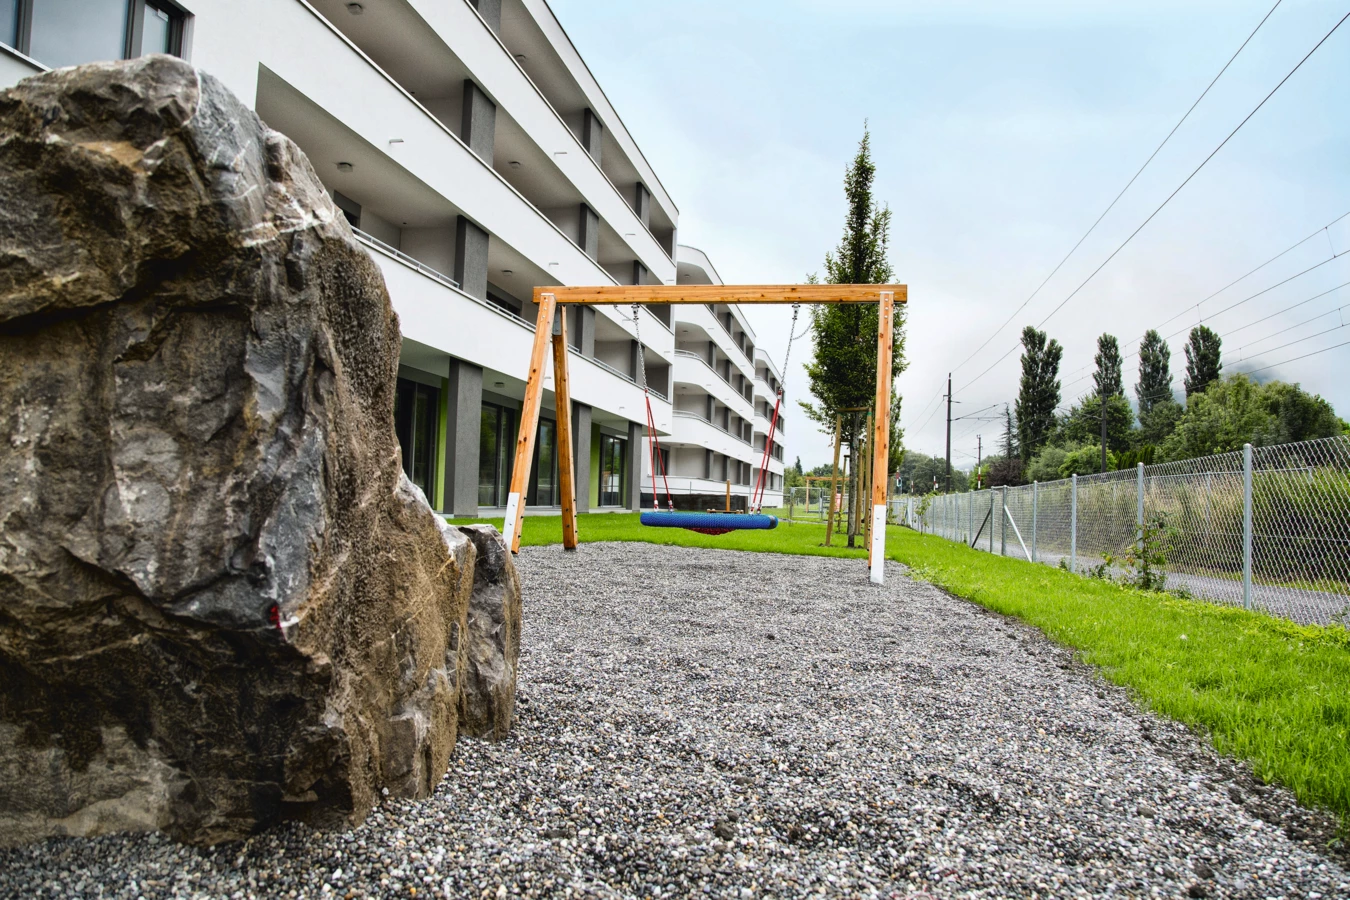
x=1000, y=133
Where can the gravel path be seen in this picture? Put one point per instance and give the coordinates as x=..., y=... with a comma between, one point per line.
x=702, y=722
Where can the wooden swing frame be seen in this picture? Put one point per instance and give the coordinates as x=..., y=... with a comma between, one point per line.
x=551, y=326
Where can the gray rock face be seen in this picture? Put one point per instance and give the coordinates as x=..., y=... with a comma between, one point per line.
x=221, y=604
x=489, y=694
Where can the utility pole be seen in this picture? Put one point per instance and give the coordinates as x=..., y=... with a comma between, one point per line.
x=949, y=432
x=979, y=460
x=1103, y=399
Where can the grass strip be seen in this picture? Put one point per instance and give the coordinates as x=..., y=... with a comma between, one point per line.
x=1266, y=690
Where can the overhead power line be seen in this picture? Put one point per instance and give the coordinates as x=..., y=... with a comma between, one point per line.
x=1110, y=206
x=1170, y=196
x=1297, y=358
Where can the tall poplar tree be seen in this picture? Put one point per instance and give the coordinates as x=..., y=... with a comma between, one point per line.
x=1203, y=363
x=1155, y=372
x=1108, y=376
x=843, y=368
x=1038, y=394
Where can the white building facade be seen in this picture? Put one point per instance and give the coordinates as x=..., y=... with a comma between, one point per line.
x=476, y=157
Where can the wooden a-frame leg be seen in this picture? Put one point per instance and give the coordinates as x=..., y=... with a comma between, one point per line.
x=529, y=423
x=881, y=436
x=562, y=396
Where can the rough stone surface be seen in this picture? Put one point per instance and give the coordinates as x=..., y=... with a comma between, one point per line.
x=221, y=604
x=705, y=723
x=488, y=694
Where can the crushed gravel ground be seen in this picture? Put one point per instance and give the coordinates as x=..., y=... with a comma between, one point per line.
x=722, y=724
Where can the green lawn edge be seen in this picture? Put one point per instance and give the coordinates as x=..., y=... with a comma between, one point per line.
x=1265, y=690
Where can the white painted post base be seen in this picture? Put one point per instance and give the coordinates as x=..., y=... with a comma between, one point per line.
x=509, y=526
x=878, y=574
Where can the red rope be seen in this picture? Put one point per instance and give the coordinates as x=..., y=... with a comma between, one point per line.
x=757, y=498
x=654, y=454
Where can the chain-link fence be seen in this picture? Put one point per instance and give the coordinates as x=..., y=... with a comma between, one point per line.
x=1266, y=528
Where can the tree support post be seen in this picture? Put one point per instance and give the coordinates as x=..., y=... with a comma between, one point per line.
x=834, y=476
x=881, y=450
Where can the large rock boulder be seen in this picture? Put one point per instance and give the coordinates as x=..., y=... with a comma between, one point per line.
x=221, y=604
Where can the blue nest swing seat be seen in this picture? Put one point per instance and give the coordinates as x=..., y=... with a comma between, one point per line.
x=710, y=522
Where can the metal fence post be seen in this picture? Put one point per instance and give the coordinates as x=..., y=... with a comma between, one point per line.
x=991, y=520
x=1247, y=526
x=1035, y=511
x=1139, y=510
x=1073, y=525
x=1002, y=519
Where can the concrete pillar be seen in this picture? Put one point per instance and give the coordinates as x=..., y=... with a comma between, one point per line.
x=634, y=348
x=707, y=464
x=592, y=134
x=471, y=258
x=642, y=204
x=639, y=273
x=712, y=407
x=636, y=449
x=587, y=331
x=478, y=120
x=581, y=445
x=588, y=231
x=463, y=422
x=491, y=11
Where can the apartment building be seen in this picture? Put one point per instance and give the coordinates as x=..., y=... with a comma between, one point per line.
x=476, y=157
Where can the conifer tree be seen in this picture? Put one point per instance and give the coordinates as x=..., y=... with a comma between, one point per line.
x=843, y=368
x=1038, y=394
x=1203, y=363
x=1155, y=372
x=1108, y=375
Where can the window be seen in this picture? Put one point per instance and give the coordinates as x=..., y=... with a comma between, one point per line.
x=613, y=459
x=496, y=439
x=545, y=465
x=9, y=22
x=68, y=32
x=416, y=416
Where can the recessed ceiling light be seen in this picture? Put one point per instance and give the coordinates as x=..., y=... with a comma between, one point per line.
x=515, y=164
x=345, y=167
x=507, y=272
x=499, y=383
x=355, y=8
x=521, y=57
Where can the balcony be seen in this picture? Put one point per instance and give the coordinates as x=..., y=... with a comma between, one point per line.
x=412, y=44
x=695, y=430
x=445, y=319
x=690, y=368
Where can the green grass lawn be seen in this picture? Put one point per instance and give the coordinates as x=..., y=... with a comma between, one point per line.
x=1266, y=690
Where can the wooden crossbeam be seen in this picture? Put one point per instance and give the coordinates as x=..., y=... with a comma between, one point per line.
x=723, y=293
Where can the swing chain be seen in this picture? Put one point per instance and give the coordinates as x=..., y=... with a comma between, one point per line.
x=787, y=355
x=641, y=353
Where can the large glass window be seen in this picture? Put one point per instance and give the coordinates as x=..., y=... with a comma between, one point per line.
x=416, y=417
x=546, y=464
x=69, y=32
x=613, y=463
x=496, y=438
x=9, y=23
x=157, y=31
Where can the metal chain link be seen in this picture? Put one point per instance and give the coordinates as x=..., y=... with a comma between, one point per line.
x=641, y=353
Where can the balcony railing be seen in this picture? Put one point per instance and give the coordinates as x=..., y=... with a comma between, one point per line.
x=692, y=355
x=449, y=282
x=689, y=414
